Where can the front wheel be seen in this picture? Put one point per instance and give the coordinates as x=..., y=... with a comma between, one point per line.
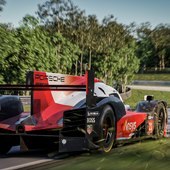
x=107, y=128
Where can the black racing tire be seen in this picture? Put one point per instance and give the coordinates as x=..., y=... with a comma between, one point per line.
x=4, y=148
x=107, y=129
x=159, y=120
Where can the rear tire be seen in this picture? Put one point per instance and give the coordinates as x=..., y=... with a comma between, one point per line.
x=159, y=120
x=107, y=129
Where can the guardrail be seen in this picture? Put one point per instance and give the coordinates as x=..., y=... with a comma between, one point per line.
x=26, y=100
x=126, y=94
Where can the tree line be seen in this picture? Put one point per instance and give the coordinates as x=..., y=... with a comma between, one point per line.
x=61, y=38
x=153, y=46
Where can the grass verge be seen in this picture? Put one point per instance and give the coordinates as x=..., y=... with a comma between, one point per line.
x=27, y=108
x=138, y=95
x=146, y=155
x=152, y=77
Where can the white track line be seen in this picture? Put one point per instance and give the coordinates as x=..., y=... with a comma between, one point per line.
x=27, y=164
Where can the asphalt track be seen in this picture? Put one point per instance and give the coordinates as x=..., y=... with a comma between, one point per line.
x=155, y=83
x=16, y=159
x=150, y=88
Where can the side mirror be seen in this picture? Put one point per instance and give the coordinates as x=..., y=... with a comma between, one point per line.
x=148, y=97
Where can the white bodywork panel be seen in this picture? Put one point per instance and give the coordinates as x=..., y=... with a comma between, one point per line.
x=73, y=98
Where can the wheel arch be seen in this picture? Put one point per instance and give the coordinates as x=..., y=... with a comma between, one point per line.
x=116, y=104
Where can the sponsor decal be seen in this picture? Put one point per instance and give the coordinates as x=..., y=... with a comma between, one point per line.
x=91, y=120
x=89, y=129
x=125, y=125
x=150, y=117
x=95, y=113
x=49, y=78
x=129, y=126
x=150, y=128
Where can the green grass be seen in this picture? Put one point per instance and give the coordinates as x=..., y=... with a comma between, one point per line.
x=146, y=155
x=158, y=71
x=138, y=95
x=27, y=108
x=152, y=77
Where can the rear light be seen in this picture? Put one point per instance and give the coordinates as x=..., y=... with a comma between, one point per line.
x=20, y=129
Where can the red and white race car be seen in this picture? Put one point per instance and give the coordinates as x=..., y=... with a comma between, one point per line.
x=74, y=113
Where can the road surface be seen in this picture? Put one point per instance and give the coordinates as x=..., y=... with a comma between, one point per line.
x=15, y=158
x=150, y=88
x=155, y=83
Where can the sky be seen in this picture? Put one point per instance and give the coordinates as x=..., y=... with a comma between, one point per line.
x=126, y=11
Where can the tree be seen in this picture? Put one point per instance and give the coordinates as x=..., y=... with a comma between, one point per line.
x=7, y=26
x=164, y=42
x=9, y=50
x=112, y=38
x=145, y=51
x=106, y=66
x=2, y=2
x=68, y=52
x=130, y=64
x=160, y=36
x=91, y=36
x=144, y=30
x=25, y=49
x=75, y=31
x=53, y=13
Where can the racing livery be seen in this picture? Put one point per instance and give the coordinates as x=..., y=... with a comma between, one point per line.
x=74, y=113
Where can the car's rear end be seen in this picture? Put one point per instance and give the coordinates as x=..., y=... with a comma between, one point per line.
x=57, y=117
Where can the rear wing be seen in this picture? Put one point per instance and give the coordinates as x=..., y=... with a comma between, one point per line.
x=39, y=83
